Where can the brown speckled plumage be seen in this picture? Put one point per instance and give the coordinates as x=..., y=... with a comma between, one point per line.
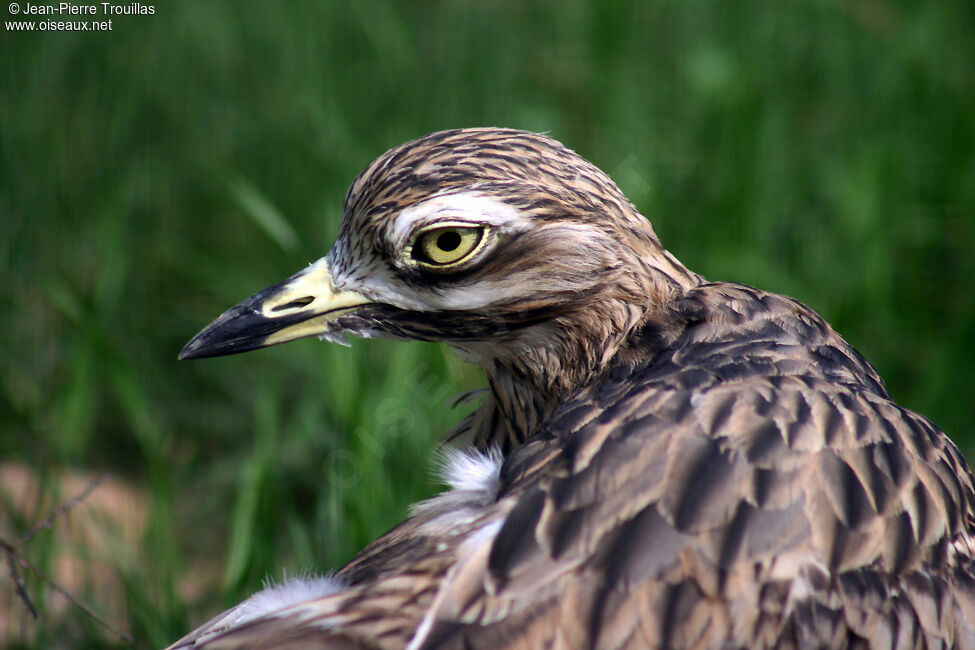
x=687, y=464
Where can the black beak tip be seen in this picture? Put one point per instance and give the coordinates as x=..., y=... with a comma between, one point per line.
x=188, y=352
x=239, y=329
x=199, y=347
x=222, y=336
x=219, y=342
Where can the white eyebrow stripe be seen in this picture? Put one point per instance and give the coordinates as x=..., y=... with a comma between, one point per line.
x=460, y=206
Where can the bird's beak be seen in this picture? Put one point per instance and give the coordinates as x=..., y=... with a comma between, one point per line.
x=303, y=305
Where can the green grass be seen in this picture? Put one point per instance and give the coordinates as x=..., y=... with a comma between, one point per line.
x=152, y=176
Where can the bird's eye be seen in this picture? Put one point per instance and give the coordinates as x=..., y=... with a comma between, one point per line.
x=446, y=246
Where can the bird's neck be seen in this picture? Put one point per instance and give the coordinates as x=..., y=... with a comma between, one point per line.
x=528, y=381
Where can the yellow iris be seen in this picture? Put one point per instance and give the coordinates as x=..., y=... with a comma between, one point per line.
x=446, y=246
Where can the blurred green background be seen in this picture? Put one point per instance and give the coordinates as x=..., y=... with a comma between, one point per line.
x=154, y=175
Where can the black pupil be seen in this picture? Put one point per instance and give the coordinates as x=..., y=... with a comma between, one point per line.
x=448, y=241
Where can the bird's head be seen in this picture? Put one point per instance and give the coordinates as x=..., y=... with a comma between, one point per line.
x=488, y=239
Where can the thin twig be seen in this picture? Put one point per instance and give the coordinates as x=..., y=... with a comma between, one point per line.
x=71, y=599
x=18, y=579
x=64, y=508
x=13, y=558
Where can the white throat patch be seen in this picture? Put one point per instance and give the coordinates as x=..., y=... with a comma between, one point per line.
x=472, y=477
x=288, y=592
